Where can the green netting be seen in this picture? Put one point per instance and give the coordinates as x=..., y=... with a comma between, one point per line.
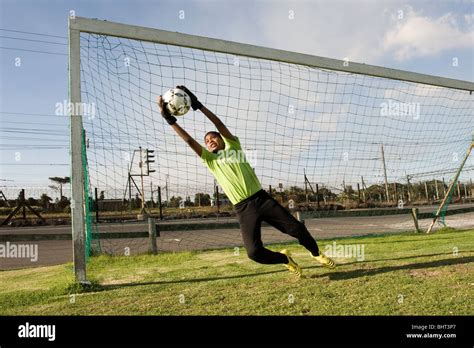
x=89, y=206
x=442, y=214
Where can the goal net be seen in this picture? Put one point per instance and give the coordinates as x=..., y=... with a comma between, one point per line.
x=325, y=137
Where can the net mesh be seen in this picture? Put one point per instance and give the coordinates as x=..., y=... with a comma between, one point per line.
x=328, y=141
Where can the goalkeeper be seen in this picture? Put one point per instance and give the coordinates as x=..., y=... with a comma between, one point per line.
x=239, y=182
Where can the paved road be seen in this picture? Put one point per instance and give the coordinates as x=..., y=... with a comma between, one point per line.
x=53, y=252
x=140, y=226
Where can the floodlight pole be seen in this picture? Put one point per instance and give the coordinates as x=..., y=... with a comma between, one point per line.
x=451, y=186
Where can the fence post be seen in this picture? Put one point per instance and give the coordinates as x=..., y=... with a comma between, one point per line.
x=317, y=195
x=152, y=235
x=96, y=206
x=358, y=193
x=414, y=214
x=159, y=203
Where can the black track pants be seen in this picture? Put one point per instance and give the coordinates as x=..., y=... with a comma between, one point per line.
x=262, y=207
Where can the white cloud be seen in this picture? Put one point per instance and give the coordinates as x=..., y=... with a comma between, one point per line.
x=419, y=36
x=365, y=34
x=340, y=30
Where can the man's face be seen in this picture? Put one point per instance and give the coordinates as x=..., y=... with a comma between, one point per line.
x=214, y=143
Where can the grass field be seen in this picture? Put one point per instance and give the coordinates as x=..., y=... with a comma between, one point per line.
x=402, y=274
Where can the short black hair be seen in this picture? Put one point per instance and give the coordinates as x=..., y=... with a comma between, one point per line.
x=217, y=134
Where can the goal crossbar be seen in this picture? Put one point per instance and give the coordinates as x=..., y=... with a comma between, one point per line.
x=208, y=44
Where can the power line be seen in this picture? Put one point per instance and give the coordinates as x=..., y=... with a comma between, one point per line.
x=35, y=123
x=66, y=117
x=25, y=50
x=33, y=131
x=36, y=164
x=33, y=147
x=42, y=41
x=32, y=33
x=29, y=139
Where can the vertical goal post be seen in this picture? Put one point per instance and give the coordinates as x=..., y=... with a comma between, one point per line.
x=78, y=25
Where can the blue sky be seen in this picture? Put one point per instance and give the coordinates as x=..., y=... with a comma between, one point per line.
x=418, y=36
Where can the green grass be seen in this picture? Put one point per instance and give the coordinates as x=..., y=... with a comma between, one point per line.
x=402, y=274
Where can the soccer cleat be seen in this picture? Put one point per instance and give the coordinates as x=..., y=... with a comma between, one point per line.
x=324, y=260
x=292, y=265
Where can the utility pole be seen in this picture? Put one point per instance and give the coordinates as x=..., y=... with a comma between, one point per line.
x=159, y=203
x=317, y=195
x=151, y=191
x=409, y=188
x=385, y=173
x=141, y=179
x=306, y=186
x=149, y=158
x=166, y=188
x=363, y=188
x=129, y=191
x=444, y=188
x=358, y=193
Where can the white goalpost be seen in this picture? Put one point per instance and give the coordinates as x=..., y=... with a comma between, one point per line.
x=308, y=119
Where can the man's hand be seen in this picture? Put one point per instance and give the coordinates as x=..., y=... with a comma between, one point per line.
x=164, y=112
x=195, y=103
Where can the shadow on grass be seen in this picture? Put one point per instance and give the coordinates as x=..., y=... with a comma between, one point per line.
x=412, y=266
x=189, y=280
x=400, y=258
x=421, y=237
x=334, y=275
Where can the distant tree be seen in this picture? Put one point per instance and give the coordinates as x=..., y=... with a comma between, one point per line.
x=295, y=193
x=188, y=202
x=63, y=203
x=174, y=201
x=60, y=181
x=325, y=195
x=32, y=201
x=45, y=201
x=376, y=192
x=202, y=199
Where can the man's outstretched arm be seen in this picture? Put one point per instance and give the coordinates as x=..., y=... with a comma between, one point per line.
x=196, y=104
x=221, y=127
x=181, y=132
x=188, y=139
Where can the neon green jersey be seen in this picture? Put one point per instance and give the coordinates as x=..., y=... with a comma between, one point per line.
x=232, y=171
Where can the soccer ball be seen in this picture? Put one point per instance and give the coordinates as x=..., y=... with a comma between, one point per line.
x=177, y=101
